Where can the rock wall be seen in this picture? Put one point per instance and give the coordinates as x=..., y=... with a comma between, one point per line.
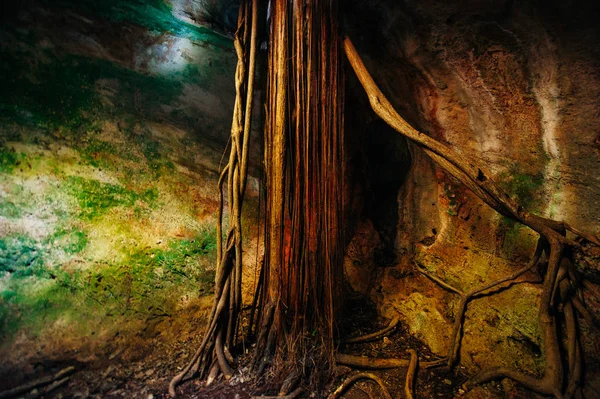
x=114, y=117
x=514, y=87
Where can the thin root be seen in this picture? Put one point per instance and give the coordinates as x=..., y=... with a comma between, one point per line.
x=375, y=335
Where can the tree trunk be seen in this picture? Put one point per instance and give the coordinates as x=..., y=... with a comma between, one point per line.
x=304, y=158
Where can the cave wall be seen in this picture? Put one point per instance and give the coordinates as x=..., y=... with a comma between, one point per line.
x=113, y=119
x=515, y=87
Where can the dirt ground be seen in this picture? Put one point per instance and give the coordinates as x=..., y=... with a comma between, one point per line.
x=142, y=365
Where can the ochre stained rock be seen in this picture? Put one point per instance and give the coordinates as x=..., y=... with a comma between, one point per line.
x=515, y=88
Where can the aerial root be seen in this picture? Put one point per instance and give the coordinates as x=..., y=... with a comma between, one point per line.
x=552, y=236
x=375, y=335
x=213, y=357
x=411, y=374
x=357, y=377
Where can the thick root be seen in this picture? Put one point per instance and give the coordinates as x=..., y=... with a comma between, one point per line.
x=54, y=380
x=357, y=377
x=552, y=234
x=369, y=363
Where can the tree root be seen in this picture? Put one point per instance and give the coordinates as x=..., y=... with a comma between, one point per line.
x=357, y=377
x=289, y=383
x=49, y=388
x=222, y=330
x=455, y=339
x=369, y=363
x=54, y=380
x=552, y=235
x=411, y=375
x=375, y=335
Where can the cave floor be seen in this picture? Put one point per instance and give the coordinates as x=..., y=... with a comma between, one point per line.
x=143, y=364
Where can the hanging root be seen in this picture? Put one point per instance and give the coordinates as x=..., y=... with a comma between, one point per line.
x=552, y=235
x=213, y=355
x=375, y=335
x=357, y=377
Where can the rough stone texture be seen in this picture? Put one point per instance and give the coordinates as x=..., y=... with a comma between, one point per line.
x=513, y=86
x=113, y=120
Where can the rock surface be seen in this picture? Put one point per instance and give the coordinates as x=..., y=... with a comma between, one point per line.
x=114, y=117
x=514, y=87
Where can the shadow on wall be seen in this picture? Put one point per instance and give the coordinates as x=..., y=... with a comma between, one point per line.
x=387, y=162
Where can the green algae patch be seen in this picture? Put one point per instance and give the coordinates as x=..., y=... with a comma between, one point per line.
x=10, y=210
x=71, y=241
x=98, y=153
x=48, y=95
x=149, y=282
x=522, y=187
x=96, y=198
x=527, y=191
x=9, y=159
x=20, y=255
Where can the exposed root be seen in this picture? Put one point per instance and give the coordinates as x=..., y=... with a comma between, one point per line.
x=585, y=313
x=357, y=377
x=455, y=339
x=552, y=235
x=49, y=388
x=212, y=374
x=54, y=380
x=289, y=383
x=375, y=335
x=411, y=374
x=573, y=345
x=369, y=363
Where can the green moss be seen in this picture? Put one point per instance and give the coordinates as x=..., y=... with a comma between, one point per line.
x=95, y=153
x=59, y=95
x=522, y=187
x=72, y=241
x=147, y=278
x=48, y=95
x=9, y=159
x=96, y=198
x=20, y=255
x=149, y=282
x=517, y=242
x=9, y=210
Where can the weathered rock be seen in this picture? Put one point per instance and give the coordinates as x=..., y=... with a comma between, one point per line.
x=515, y=88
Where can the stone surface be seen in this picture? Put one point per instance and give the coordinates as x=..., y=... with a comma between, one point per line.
x=113, y=120
x=514, y=87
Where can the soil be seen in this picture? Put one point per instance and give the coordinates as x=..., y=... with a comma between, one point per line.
x=430, y=383
x=142, y=366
